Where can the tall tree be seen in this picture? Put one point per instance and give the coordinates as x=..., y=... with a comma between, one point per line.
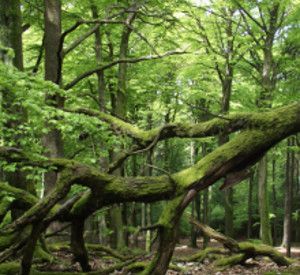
x=11, y=37
x=263, y=28
x=52, y=141
x=218, y=27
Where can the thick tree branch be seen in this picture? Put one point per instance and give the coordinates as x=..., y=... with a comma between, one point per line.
x=261, y=132
x=227, y=124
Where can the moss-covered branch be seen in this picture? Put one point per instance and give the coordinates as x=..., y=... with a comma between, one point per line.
x=233, y=123
x=246, y=250
x=244, y=149
x=261, y=132
x=201, y=256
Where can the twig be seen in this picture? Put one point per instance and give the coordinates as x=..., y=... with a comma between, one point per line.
x=54, y=233
x=154, y=142
x=207, y=112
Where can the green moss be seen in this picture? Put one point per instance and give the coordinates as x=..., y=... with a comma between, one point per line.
x=79, y=207
x=59, y=246
x=170, y=212
x=6, y=240
x=230, y=261
x=264, y=250
x=42, y=255
x=24, y=196
x=10, y=268
x=138, y=266
x=4, y=207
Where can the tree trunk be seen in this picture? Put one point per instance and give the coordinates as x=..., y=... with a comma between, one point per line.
x=249, y=223
x=275, y=234
x=287, y=226
x=11, y=32
x=193, y=230
x=52, y=142
x=119, y=108
x=77, y=245
x=265, y=227
x=194, y=202
x=29, y=248
x=11, y=36
x=206, y=208
x=168, y=235
x=297, y=237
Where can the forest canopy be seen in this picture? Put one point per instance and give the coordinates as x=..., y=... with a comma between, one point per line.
x=123, y=115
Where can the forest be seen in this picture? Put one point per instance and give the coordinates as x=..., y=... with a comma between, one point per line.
x=149, y=137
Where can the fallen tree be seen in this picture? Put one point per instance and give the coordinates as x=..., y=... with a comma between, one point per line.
x=255, y=134
x=244, y=250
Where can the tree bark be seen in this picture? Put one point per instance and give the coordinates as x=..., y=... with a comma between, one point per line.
x=243, y=149
x=247, y=250
x=265, y=226
x=77, y=245
x=274, y=203
x=287, y=226
x=11, y=36
x=30, y=247
x=119, y=108
x=11, y=32
x=52, y=142
x=250, y=196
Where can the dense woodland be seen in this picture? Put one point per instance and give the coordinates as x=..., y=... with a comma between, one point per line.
x=130, y=124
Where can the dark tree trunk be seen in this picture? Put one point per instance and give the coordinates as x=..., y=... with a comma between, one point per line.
x=29, y=248
x=193, y=230
x=275, y=219
x=77, y=245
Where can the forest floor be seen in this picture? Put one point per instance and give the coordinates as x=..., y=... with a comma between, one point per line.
x=257, y=266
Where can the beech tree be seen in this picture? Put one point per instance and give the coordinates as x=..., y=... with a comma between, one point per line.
x=114, y=55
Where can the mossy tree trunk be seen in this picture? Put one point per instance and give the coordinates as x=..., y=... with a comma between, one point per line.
x=168, y=226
